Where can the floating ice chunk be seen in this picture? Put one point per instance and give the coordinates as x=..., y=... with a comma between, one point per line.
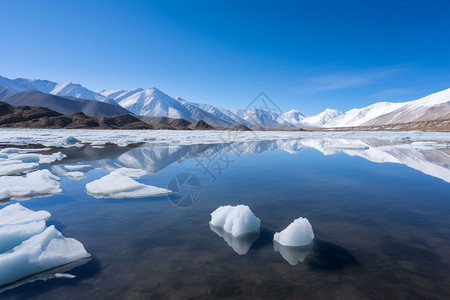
x=64, y=275
x=38, y=158
x=298, y=233
x=118, y=185
x=98, y=143
x=240, y=244
x=47, y=159
x=38, y=183
x=75, y=175
x=293, y=255
x=77, y=167
x=16, y=167
x=41, y=252
x=237, y=220
x=130, y=172
x=16, y=214
x=70, y=141
x=20, y=150
x=26, y=158
x=13, y=235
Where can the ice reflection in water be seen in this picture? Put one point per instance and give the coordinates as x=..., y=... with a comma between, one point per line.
x=292, y=255
x=240, y=244
x=431, y=158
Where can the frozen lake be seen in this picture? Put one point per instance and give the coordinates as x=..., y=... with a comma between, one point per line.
x=378, y=204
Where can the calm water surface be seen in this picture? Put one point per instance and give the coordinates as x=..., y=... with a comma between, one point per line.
x=382, y=230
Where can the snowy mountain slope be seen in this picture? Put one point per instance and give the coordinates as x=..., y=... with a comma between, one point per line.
x=292, y=117
x=53, y=88
x=22, y=85
x=321, y=119
x=75, y=90
x=220, y=113
x=154, y=103
x=359, y=116
x=260, y=118
x=64, y=105
x=431, y=107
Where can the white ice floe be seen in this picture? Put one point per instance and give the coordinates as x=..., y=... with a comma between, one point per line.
x=16, y=167
x=236, y=220
x=131, y=172
x=13, y=235
x=240, y=244
x=25, y=158
x=28, y=247
x=38, y=158
x=298, y=233
x=37, y=183
x=118, y=184
x=75, y=175
x=69, y=141
x=64, y=275
x=41, y=252
x=77, y=167
x=293, y=255
x=16, y=214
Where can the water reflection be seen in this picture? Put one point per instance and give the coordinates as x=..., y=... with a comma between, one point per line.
x=432, y=158
x=293, y=255
x=240, y=244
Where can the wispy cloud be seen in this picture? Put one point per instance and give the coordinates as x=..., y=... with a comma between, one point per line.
x=345, y=80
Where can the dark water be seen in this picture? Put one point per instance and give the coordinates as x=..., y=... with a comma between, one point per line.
x=381, y=230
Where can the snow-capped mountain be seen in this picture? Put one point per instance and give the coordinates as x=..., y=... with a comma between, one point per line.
x=293, y=117
x=65, y=89
x=321, y=119
x=220, y=113
x=431, y=107
x=260, y=118
x=154, y=103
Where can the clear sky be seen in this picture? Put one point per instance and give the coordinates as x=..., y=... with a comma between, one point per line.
x=308, y=55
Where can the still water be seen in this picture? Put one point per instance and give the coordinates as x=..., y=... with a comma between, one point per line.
x=380, y=215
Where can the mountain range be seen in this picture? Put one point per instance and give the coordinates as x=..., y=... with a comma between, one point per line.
x=68, y=98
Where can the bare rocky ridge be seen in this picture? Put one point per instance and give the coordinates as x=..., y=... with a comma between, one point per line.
x=239, y=127
x=42, y=117
x=200, y=125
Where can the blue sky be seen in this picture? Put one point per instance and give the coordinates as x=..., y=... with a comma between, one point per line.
x=308, y=55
